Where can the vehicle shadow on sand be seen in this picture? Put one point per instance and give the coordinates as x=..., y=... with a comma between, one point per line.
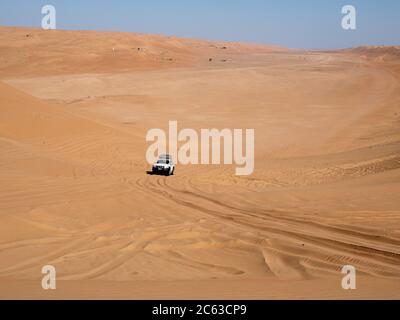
x=151, y=173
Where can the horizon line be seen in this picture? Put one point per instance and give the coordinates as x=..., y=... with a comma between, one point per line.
x=204, y=39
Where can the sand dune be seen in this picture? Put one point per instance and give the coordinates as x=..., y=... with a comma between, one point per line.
x=74, y=191
x=379, y=53
x=67, y=52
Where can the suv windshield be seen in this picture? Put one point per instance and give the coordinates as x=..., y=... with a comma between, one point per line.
x=163, y=162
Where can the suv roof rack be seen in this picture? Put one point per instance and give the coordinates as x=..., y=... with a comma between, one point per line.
x=165, y=156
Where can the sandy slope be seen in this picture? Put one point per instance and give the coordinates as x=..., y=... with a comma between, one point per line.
x=75, y=194
x=26, y=52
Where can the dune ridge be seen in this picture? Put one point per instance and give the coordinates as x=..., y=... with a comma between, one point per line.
x=70, y=52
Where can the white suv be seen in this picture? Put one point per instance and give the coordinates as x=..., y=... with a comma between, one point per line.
x=164, y=165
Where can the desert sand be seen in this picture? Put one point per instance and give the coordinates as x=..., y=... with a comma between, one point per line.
x=75, y=107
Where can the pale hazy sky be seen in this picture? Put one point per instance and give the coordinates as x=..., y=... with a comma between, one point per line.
x=290, y=23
